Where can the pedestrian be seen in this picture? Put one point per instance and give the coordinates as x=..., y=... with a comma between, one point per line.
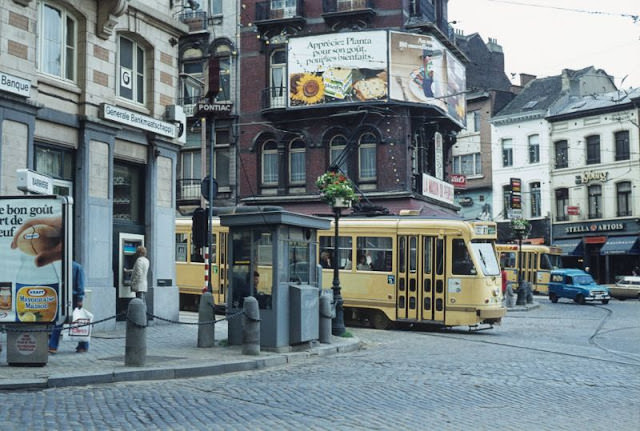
x=636, y=271
x=139, y=273
x=78, y=281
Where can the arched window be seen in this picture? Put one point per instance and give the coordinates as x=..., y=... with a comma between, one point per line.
x=222, y=53
x=58, y=41
x=270, y=163
x=192, y=76
x=297, y=172
x=337, y=145
x=367, y=149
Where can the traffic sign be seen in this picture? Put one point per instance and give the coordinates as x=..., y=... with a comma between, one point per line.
x=204, y=188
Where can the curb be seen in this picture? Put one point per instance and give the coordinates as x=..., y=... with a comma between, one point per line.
x=179, y=372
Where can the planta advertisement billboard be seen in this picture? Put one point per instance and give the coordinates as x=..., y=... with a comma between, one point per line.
x=35, y=240
x=375, y=66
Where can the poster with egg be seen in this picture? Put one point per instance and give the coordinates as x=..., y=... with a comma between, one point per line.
x=33, y=249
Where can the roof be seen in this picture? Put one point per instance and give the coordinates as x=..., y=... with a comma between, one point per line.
x=612, y=101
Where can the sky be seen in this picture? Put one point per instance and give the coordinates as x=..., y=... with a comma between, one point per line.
x=542, y=37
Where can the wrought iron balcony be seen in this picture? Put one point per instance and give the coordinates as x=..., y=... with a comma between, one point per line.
x=347, y=13
x=188, y=189
x=330, y=6
x=196, y=20
x=274, y=98
x=272, y=21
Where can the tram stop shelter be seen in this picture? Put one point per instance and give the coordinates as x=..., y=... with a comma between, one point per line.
x=272, y=257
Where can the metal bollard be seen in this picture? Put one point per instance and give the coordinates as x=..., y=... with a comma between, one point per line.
x=325, y=319
x=135, y=349
x=250, y=327
x=206, y=332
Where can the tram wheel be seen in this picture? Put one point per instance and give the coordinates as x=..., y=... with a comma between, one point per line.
x=379, y=320
x=553, y=297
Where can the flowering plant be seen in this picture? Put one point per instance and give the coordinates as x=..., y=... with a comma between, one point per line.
x=520, y=225
x=334, y=185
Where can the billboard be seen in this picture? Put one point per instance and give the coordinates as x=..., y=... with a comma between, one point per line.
x=35, y=249
x=337, y=68
x=422, y=70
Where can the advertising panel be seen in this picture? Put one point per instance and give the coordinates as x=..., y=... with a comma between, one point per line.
x=337, y=68
x=33, y=246
x=437, y=189
x=421, y=70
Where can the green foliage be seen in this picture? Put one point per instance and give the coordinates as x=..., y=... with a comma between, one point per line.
x=334, y=185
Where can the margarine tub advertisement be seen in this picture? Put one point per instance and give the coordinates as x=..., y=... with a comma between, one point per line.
x=32, y=245
x=422, y=71
x=337, y=68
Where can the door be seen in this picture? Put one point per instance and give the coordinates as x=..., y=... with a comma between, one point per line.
x=432, y=279
x=407, y=291
x=438, y=279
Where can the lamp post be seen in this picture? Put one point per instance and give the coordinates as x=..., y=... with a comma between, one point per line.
x=520, y=229
x=337, y=324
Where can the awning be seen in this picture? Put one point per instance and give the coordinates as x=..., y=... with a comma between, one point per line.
x=621, y=245
x=570, y=247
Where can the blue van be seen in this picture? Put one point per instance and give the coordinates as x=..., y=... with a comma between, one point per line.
x=577, y=285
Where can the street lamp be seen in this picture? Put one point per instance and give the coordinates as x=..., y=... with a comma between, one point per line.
x=337, y=324
x=520, y=227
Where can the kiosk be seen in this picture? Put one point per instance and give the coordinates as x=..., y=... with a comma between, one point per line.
x=272, y=257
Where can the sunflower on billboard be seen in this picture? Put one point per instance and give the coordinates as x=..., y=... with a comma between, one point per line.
x=307, y=88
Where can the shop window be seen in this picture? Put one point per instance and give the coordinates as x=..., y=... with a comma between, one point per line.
x=623, y=199
x=128, y=193
x=57, y=42
x=131, y=70
x=622, y=145
x=562, y=154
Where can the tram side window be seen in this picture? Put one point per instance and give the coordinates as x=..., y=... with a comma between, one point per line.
x=462, y=263
x=181, y=247
x=507, y=259
x=373, y=253
x=344, y=251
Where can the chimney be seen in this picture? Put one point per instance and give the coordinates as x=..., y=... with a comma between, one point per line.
x=526, y=78
x=493, y=45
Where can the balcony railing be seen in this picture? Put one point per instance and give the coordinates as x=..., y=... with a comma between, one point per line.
x=188, y=189
x=196, y=20
x=274, y=98
x=264, y=11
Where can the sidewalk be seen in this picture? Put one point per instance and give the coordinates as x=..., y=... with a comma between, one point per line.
x=172, y=353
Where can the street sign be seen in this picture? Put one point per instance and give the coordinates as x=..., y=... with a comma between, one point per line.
x=204, y=188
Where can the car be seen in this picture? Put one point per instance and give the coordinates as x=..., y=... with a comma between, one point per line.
x=627, y=286
x=578, y=285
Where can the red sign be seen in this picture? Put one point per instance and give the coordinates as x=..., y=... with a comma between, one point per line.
x=573, y=210
x=458, y=181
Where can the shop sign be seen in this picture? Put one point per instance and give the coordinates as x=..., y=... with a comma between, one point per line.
x=33, y=182
x=594, y=227
x=15, y=85
x=458, y=181
x=144, y=122
x=213, y=109
x=573, y=210
x=437, y=189
x=588, y=176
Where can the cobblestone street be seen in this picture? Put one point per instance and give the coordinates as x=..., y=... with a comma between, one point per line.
x=556, y=367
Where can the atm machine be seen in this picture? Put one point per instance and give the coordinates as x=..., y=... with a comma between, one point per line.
x=127, y=245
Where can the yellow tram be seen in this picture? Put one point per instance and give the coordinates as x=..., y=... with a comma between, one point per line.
x=415, y=269
x=537, y=263
x=410, y=269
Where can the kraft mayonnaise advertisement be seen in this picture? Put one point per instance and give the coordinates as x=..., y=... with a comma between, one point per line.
x=31, y=250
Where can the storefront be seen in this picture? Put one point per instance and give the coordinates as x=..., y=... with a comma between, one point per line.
x=607, y=248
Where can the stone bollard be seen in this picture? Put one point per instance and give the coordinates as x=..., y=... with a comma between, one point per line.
x=250, y=327
x=510, y=296
x=135, y=349
x=207, y=331
x=325, y=319
x=529, y=293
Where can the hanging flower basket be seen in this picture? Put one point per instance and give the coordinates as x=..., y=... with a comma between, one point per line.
x=336, y=189
x=520, y=226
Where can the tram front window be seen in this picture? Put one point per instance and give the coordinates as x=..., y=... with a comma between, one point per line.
x=462, y=263
x=486, y=258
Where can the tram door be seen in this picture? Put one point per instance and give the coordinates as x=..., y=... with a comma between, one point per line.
x=432, y=278
x=407, y=286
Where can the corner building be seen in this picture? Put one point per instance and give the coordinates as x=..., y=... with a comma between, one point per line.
x=94, y=81
x=374, y=88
